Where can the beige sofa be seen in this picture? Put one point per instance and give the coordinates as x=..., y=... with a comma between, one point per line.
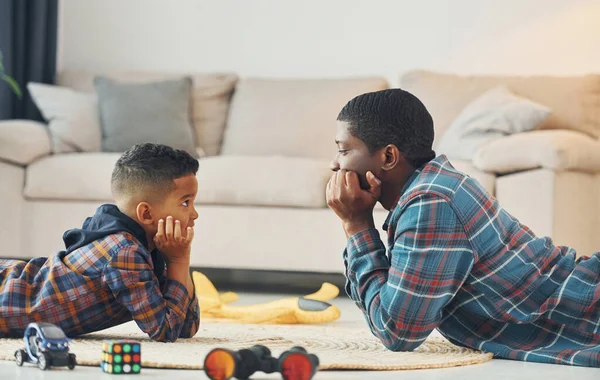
x=268, y=144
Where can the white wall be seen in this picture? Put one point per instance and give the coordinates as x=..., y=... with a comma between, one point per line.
x=324, y=38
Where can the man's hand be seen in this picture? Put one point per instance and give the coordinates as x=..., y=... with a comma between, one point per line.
x=169, y=240
x=353, y=205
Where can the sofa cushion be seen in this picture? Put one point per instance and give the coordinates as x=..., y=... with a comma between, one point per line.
x=573, y=100
x=228, y=180
x=211, y=94
x=495, y=113
x=294, y=118
x=23, y=141
x=72, y=117
x=133, y=113
x=262, y=181
x=555, y=150
x=71, y=176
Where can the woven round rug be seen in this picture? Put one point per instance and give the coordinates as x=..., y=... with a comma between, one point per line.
x=337, y=347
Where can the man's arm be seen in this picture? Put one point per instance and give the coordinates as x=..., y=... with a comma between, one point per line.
x=164, y=315
x=403, y=296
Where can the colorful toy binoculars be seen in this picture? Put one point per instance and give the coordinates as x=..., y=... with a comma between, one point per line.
x=294, y=364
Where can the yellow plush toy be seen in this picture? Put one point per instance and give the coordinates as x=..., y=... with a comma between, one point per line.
x=214, y=307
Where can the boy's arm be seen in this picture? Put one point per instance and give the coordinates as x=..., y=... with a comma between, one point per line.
x=163, y=314
x=403, y=296
x=192, y=320
x=181, y=274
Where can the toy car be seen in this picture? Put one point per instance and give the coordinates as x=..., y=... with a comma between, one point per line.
x=47, y=346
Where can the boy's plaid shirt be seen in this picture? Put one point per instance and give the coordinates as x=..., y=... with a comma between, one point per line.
x=458, y=262
x=103, y=284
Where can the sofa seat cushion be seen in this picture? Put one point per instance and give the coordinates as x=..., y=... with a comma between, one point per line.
x=225, y=180
x=262, y=181
x=487, y=180
x=72, y=176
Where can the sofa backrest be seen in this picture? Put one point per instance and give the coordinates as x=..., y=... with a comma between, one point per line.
x=211, y=96
x=575, y=101
x=290, y=117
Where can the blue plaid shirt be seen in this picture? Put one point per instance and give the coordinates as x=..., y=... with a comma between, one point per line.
x=457, y=261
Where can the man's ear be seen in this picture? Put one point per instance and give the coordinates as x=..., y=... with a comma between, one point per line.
x=145, y=213
x=391, y=157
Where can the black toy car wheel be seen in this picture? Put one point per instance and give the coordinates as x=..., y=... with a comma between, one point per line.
x=43, y=361
x=72, y=361
x=20, y=357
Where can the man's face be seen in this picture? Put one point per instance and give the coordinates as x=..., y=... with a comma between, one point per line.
x=353, y=155
x=179, y=202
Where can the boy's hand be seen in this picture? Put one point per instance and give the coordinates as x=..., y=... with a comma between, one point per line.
x=172, y=243
x=351, y=203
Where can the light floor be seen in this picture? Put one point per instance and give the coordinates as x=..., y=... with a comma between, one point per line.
x=351, y=316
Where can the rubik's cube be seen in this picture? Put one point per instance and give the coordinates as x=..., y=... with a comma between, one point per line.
x=121, y=357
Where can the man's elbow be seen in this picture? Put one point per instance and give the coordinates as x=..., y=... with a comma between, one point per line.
x=400, y=345
x=406, y=336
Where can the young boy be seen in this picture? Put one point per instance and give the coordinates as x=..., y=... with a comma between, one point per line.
x=456, y=260
x=129, y=261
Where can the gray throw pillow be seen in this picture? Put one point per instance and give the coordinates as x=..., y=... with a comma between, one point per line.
x=132, y=113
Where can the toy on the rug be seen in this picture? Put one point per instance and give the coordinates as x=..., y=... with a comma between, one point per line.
x=47, y=346
x=121, y=357
x=309, y=309
x=295, y=364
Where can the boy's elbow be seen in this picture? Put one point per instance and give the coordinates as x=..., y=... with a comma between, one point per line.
x=188, y=334
x=190, y=329
x=164, y=338
x=163, y=335
x=170, y=336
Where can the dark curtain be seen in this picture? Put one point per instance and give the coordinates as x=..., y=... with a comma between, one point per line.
x=28, y=31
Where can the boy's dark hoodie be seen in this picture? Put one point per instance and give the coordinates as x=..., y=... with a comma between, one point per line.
x=108, y=220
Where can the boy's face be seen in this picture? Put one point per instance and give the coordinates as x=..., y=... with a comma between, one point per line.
x=179, y=203
x=353, y=155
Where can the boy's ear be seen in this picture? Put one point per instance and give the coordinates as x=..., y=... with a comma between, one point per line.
x=144, y=213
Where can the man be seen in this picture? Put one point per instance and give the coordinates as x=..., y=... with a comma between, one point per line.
x=456, y=260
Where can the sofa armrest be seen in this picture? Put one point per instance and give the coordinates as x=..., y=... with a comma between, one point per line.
x=558, y=150
x=22, y=141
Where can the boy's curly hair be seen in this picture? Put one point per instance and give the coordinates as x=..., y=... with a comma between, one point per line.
x=150, y=169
